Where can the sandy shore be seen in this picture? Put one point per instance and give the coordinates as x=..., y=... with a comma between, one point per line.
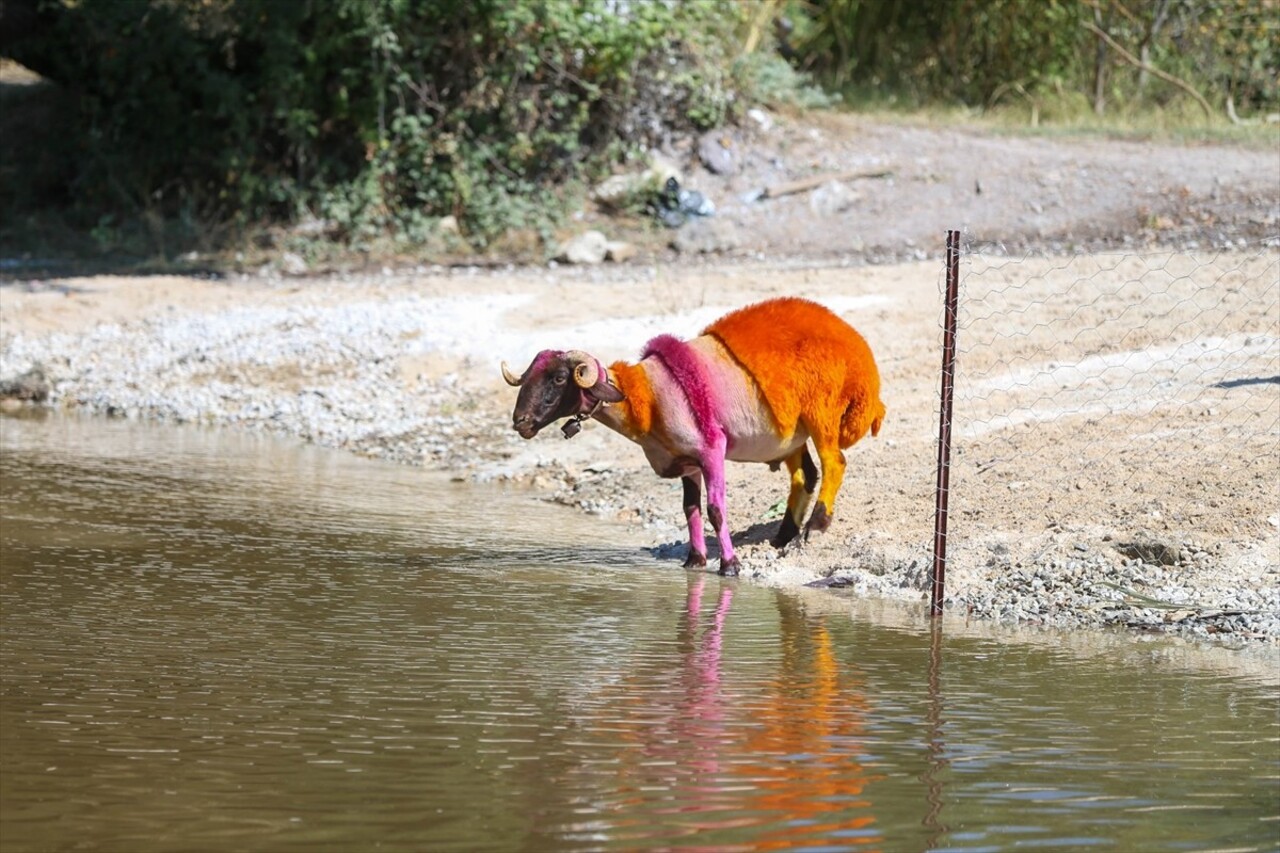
x=1118, y=417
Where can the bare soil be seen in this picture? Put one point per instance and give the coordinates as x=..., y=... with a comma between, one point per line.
x=1020, y=193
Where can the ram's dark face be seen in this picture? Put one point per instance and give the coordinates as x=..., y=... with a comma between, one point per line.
x=547, y=394
x=558, y=385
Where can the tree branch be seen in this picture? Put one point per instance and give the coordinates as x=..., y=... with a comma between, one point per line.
x=1138, y=63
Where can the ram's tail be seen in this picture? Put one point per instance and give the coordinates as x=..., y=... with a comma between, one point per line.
x=859, y=419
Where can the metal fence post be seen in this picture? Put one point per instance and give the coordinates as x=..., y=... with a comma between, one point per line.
x=939, y=574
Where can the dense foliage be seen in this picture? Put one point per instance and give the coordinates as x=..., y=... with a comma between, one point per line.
x=387, y=119
x=379, y=115
x=977, y=51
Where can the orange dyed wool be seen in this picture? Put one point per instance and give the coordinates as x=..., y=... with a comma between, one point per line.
x=637, y=404
x=808, y=363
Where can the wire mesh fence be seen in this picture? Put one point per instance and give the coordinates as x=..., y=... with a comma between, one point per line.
x=1118, y=404
x=1115, y=439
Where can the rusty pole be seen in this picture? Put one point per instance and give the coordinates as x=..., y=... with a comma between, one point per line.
x=939, y=574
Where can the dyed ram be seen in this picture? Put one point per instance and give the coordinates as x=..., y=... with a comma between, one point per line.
x=754, y=387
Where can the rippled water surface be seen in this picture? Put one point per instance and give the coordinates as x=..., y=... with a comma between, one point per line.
x=211, y=641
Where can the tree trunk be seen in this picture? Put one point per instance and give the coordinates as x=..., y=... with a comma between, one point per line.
x=1099, y=68
x=1159, y=16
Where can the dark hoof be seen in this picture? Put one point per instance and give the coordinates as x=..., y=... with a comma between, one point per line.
x=786, y=532
x=818, y=522
x=695, y=560
x=729, y=568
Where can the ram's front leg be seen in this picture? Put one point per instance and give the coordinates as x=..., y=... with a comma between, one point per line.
x=693, y=514
x=713, y=470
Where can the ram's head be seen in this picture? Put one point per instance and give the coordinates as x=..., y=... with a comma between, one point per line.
x=558, y=385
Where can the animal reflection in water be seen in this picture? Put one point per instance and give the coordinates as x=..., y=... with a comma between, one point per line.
x=786, y=762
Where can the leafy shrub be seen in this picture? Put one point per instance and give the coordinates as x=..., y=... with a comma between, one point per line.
x=380, y=115
x=973, y=51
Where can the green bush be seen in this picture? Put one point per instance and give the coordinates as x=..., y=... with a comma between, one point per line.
x=381, y=116
x=976, y=51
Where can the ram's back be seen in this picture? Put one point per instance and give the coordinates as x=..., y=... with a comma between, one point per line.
x=810, y=365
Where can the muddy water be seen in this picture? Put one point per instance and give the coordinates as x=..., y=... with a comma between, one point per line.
x=213, y=642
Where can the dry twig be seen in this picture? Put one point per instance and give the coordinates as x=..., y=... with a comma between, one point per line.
x=1138, y=63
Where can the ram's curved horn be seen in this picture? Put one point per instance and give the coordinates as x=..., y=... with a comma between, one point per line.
x=586, y=372
x=511, y=378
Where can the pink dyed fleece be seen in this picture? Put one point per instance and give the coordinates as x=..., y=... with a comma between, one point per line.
x=691, y=375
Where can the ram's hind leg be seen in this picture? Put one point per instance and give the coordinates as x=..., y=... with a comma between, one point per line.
x=693, y=514
x=832, y=461
x=804, y=477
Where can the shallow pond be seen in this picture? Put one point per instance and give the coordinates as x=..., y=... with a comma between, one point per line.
x=218, y=641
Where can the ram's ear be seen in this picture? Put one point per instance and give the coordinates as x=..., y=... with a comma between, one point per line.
x=604, y=391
